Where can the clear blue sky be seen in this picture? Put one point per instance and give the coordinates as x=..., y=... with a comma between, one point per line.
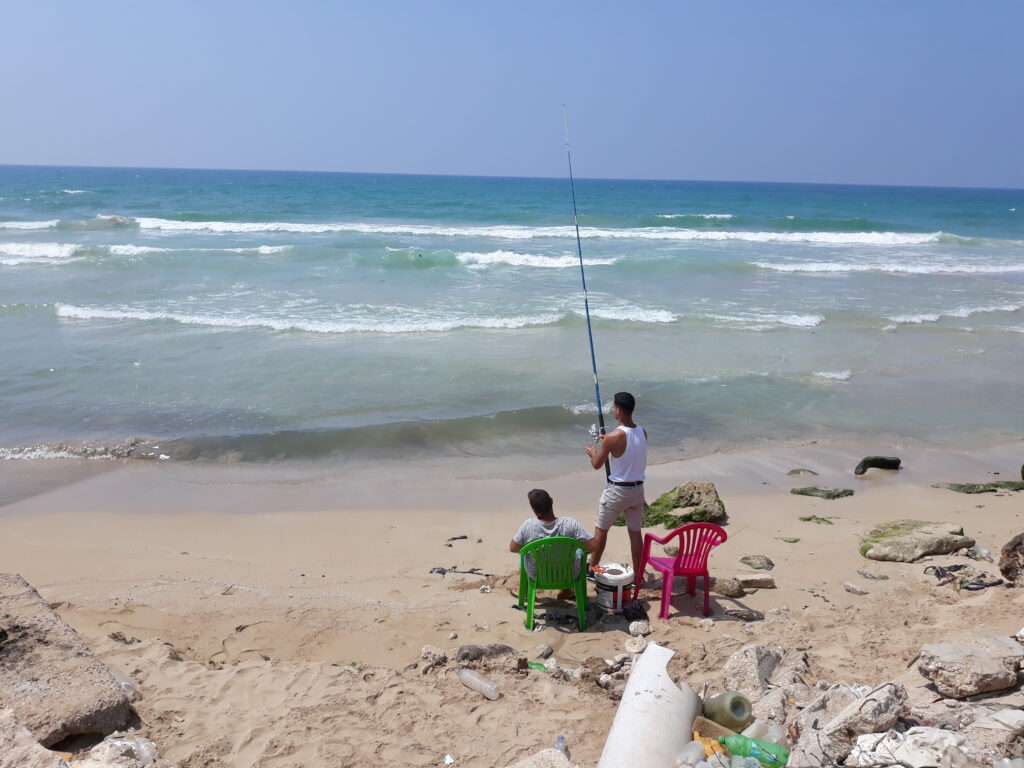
x=868, y=92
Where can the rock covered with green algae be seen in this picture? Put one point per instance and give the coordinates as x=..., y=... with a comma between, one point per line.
x=691, y=502
x=825, y=493
x=993, y=487
x=905, y=541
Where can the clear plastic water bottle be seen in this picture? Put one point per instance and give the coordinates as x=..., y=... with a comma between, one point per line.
x=560, y=745
x=690, y=755
x=474, y=682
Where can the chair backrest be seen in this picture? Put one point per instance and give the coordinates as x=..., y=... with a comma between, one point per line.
x=555, y=558
x=695, y=543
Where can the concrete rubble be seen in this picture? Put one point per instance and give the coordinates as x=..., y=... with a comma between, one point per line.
x=966, y=669
x=19, y=748
x=49, y=676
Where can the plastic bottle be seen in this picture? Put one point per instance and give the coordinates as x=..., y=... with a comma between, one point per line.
x=560, y=745
x=690, y=755
x=474, y=682
x=756, y=730
x=775, y=735
x=730, y=709
x=767, y=754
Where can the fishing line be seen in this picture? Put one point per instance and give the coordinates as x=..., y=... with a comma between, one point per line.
x=583, y=278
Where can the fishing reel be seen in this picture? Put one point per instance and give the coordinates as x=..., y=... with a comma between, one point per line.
x=595, y=434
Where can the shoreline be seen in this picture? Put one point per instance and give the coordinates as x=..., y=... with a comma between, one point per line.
x=278, y=617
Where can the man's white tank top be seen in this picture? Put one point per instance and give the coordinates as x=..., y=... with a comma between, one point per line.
x=631, y=466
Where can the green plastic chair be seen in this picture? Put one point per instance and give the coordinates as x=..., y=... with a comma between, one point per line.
x=555, y=558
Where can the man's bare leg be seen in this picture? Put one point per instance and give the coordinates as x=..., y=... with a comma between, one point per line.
x=601, y=537
x=636, y=547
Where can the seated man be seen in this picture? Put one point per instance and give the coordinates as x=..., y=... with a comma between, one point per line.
x=546, y=524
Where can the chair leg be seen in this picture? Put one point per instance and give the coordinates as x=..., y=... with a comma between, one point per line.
x=707, y=595
x=522, y=586
x=529, y=606
x=666, y=594
x=691, y=585
x=639, y=579
x=581, y=604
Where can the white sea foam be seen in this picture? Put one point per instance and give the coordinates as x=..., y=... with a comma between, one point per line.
x=13, y=254
x=632, y=314
x=834, y=375
x=478, y=260
x=695, y=216
x=934, y=317
x=394, y=323
x=890, y=267
x=74, y=191
x=136, y=250
x=526, y=233
x=765, y=320
x=29, y=224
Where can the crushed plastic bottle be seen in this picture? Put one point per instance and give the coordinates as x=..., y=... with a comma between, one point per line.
x=135, y=747
x=474, y=682
x=690, y=755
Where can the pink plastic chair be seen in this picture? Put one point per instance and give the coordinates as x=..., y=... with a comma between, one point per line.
x=695, y=543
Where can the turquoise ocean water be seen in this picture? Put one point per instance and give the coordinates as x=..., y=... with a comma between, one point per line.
x=264, y=316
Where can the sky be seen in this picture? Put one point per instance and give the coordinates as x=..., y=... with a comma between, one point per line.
x=915, y=92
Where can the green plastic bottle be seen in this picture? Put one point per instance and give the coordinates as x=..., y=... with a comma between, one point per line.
x=764, y=752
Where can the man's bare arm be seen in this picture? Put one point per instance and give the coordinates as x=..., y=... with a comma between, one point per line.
x=610, y=443
x=513, y=547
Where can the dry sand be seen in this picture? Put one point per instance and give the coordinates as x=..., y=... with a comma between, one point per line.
x=277, y=617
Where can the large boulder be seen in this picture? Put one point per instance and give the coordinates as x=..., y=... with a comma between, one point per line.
x=904, y=541
x=692, y=502
x=965, y=669
x=48, y=676
x=1011, y=560
x=19, y=749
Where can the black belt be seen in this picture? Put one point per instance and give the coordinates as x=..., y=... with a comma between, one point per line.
x=627, y=485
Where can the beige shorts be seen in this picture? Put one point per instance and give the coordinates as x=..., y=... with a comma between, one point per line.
x=621, y=500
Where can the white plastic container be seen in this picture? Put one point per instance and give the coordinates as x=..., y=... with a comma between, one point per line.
x=692, y=754
x=613, y=586
x=474, y=682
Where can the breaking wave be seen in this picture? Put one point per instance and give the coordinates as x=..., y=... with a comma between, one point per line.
x=765, y=320
x=12, y=254
x=890, y=267
x=122, y=449
x=29, y=224
x=477, y=260
x=961, y=312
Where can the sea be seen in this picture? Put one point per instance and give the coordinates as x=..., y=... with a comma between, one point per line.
x=266, y=317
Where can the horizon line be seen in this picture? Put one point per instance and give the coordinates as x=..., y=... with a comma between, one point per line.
x=503, y=176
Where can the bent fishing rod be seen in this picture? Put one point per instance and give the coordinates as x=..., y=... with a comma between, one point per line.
x=583, y=278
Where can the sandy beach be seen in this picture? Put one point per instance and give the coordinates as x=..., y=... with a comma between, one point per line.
x=278, y=615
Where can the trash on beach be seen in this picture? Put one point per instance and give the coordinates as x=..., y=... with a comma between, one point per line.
x=455, y=569
x=477, y=652
x=458, y=538
x=655, y=716
x=449, y=760
x=766, y=753
x=730, y=709
x=486, y=688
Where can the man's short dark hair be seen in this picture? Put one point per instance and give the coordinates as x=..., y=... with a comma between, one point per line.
x=541, y=502
x=625, y=401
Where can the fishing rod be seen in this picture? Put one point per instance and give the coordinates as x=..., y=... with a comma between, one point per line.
x=583, y=278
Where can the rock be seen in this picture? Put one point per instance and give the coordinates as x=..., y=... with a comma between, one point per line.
x=633, y=611
x=822, y=710
x=453, y=635
x=1011, y=560
x=477, y=652
x=999, y=734
x=821, y=491
x=905, y=541
x=877, y=462
x=433, y=655
x=121, y=752
x=757, y=562
x=993, y=487
x=671, y=550
x=961, y=669
x=48, y=676
x=853, y=589
x=756, y=581
x=801, y=471
x=604, y=680
x=546, y=758
x=875, y=713
x=727, y=587
x=873, y=576
x=750, y=669
x=636, y=644
x=544, y=651
x=744, y=614
x=691, y=502
x=20, y=749
x=639, y=628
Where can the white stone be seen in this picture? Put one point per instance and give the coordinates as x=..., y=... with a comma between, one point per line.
x=636, y=644
x=640, y=628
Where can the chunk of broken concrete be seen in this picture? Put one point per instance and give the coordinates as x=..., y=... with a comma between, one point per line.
x=905, y=541
x=727, y=587
x=875, y=713
x=750, y=669
x=19, y=749
x=756, y=581
x=998, y=733
x=822, y=492
x=966, y=669
x=49, y=676
x=477, y=652
x=757, y=562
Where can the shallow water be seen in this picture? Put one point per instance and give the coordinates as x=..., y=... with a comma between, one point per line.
x=263, y=316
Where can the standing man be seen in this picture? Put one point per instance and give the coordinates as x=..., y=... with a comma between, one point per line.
x=625, y=448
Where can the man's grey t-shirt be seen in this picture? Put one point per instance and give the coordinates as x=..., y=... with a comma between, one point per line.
x=534, y=529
